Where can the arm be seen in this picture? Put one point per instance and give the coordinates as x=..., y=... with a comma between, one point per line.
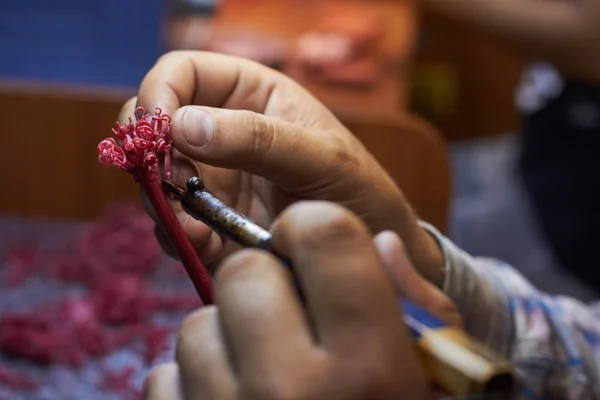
x=564, y=32
x=554, y=341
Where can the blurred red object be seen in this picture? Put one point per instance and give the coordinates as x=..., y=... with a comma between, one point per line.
x=16, y=380
x=120, y=382
x=358, y=73
x=122, y=298
x=343, y=48
x=360, y=25
x=20, y=264
x=249, y=44
x=316, y=49
x=113, y=262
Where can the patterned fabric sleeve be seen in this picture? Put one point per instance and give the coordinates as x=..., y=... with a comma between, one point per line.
x=554, y=341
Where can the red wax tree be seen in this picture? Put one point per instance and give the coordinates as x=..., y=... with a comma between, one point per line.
x=137, y=151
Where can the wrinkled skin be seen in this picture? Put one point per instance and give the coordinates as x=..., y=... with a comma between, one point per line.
x=350, y=341
x=261, y=142
x=272, y=143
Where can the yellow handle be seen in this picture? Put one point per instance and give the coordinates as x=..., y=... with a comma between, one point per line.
x=463, y=366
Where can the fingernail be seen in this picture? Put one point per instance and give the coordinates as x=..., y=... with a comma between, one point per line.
x=197, y=127
x=388, y=238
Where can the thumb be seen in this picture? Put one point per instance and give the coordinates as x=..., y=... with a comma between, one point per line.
x=282, y=152
x=410, y=284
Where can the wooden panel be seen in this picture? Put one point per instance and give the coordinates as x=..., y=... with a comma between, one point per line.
x=50, y=167
x=49, y=158
x=414, y=154
x=487, y=75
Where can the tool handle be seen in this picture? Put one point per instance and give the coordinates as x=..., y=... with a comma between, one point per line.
x=456, y=362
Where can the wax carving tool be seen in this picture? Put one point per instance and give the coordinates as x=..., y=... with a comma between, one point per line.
x=453, y=360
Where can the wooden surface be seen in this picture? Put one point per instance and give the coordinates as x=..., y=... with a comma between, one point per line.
x=50, y=164
x=287, y=19
x=413, y=152
x=49, y=159
x=487, y=75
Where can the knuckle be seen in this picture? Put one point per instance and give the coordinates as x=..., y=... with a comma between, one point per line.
x=263, y=133
x=375, y=382
x=170, y=55
x=240, y=263
x=275, y=386
x=338, y=226
x=127, y=109
x=445, y=306
x=324, y=224
x=447, y=310
x=158, y=373
x=196, y=336
x=195, y=323
x=345, y=152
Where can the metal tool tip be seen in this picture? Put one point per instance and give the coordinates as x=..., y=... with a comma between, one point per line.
x=172, y=188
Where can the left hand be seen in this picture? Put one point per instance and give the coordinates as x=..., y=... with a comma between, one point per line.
x=349, y=342
x=268, y=143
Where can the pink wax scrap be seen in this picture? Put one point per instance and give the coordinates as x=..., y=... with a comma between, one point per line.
x=115, y=259
x=16, y=380
x=129, y=246
x=85, y=326
x=123, y=242
x=40, y=339
x=157, y=341
x=20, y=264
x=122, y=298
x=67, y=267
x=119, y=381
x=65, y=333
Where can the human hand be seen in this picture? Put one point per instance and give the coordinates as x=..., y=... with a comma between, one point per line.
x=349, y=342
x=410, y=284
x=259, y=141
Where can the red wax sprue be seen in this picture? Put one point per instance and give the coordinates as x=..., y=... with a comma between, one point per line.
x=140, y=144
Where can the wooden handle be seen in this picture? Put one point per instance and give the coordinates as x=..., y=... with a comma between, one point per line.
x=463, y=366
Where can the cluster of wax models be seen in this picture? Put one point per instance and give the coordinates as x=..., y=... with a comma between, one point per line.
x=113, y=263
x=137, y=151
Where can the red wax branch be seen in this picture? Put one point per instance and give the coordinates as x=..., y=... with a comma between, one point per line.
x=141, y=142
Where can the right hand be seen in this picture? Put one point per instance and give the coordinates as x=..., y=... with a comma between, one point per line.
x=260, y=142
x=348, y=341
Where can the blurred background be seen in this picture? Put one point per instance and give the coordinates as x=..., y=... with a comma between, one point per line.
x=433, y=99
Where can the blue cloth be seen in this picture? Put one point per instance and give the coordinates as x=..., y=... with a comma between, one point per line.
x=108, y=42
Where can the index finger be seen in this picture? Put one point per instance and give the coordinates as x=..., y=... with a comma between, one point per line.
x=183, y=78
